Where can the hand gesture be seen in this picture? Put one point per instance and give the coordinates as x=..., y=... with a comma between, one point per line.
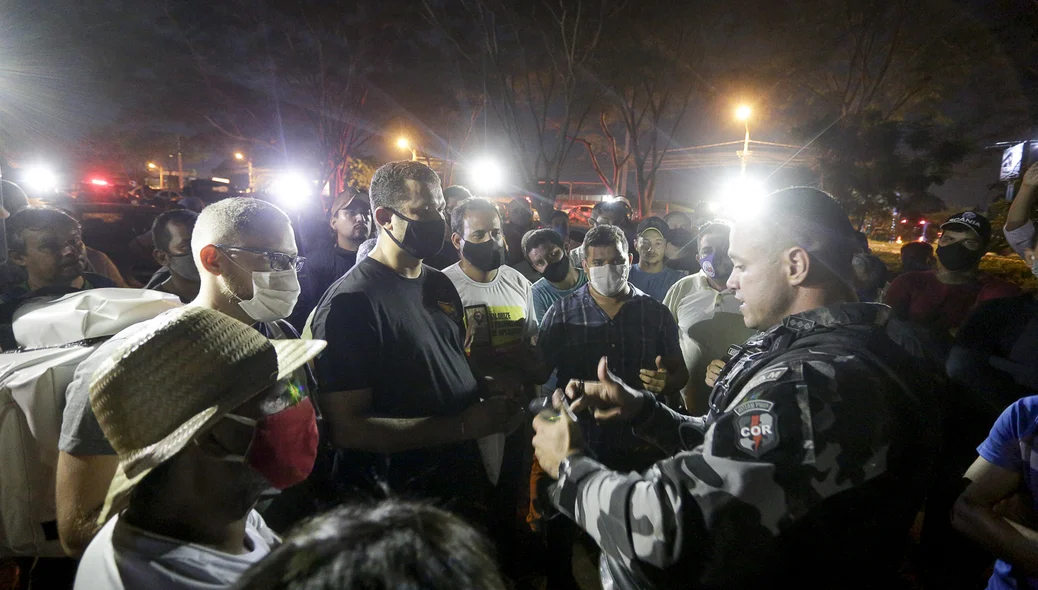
x=491, y=416
x=609, y=398
x=713, y=371
x=654, y=381
x=556, y=437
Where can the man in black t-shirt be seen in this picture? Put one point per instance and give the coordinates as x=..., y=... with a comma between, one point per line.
x=351, y=221
x=399, y=398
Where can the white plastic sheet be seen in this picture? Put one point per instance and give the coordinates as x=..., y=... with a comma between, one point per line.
x=87, y=314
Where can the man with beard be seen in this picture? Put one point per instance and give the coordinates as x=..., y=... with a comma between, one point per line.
x=205, y=415
x=246, y=256
x=707, y=314
x=48, y=244
x=351, y=221
x=940, y=300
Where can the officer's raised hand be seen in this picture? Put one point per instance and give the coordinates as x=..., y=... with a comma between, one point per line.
x=556, y=437
x=608, y=399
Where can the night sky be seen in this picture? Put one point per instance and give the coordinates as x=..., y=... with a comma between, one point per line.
x=68, y=70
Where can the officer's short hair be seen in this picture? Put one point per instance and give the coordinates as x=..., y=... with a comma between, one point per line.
x=383, y=547
x=606, y=235
x=810, y=219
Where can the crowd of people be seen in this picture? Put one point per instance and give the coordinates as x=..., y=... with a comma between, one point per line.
x=711, y=403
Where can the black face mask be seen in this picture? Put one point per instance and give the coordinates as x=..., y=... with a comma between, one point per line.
x=422, y=239
x=556, y=271
x=957, y=256
x=486, y=256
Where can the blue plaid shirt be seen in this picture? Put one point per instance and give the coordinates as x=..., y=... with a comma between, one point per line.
x=575, y=333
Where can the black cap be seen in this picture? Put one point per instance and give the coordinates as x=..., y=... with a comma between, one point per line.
x=970, y=221
x=654, y=223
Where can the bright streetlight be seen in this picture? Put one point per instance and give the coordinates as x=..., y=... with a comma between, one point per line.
x=241, y=158
x=40, y=179
x=486, y=175
x=743, y=113
x=154, y=166
x=291, y=189
x=405, y=144
x=739, y=199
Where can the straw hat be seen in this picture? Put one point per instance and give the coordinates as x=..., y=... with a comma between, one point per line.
x=175, y=379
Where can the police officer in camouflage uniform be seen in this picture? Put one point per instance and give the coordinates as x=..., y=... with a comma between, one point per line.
x=813, y=459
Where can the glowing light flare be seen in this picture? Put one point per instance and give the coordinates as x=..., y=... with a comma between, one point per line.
x=403, y=143
x=291, y=189
x=922, y=222
x=486, y=175
x=152, y=166
x=239, y=156
x=743, y=112
x=739, y=199
x=98, y=182
x=40, y=179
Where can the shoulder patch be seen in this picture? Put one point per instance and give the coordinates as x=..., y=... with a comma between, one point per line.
x=448, y=308
x=767, y=376
x=756, y=427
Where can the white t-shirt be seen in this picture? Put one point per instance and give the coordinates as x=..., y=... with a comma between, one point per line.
x=124, y=556
x=497, y=313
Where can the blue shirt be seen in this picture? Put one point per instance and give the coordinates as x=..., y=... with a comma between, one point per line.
x=576, y=333
x=1010, y=445
x=655, y=284
x=545, y=293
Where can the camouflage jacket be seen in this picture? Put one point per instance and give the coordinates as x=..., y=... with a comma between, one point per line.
x=811, y=464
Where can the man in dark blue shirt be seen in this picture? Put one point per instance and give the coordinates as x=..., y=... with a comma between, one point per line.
x=351, y=220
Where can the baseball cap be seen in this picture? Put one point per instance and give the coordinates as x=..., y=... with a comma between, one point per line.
x=174, y=380
x=654, y=223
x=346, y=198
x=972, y=221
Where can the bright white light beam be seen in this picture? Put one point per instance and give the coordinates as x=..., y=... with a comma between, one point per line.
x=291, y=189
x=40, y=179
x=486, y=175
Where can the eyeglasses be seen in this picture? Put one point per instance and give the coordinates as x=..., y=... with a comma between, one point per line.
x=279, y=261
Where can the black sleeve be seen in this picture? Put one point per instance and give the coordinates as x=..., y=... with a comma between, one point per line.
x=352, y=358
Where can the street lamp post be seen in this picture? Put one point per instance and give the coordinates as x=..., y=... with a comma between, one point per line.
x=241, y=157
x=405, y=144
x=153, y=166
x=742, y=113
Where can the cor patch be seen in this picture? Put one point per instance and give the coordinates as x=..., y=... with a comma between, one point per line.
x=756, y=428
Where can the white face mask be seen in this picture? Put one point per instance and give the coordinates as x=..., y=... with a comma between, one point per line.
x=609, y=280
x=274, y=295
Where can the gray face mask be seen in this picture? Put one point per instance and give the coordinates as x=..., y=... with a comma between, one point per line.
x=184, y=266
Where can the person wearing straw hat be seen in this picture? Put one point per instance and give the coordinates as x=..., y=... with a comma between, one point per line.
x=246, y=257
x=205, y=415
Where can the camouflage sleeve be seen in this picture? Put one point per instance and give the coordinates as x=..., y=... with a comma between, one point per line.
x=670, y=431
x=724, y=501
